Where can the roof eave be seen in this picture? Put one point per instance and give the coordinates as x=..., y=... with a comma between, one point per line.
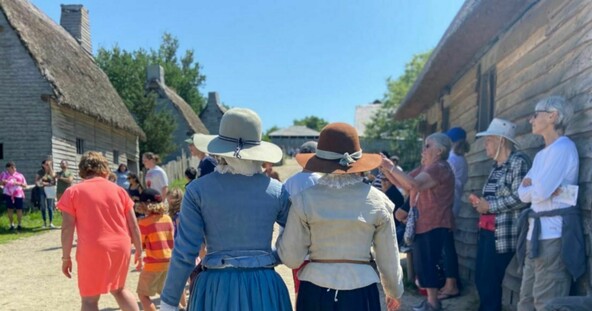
x=477, y=24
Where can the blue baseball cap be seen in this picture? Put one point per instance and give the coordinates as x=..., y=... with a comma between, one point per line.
x=456, y=133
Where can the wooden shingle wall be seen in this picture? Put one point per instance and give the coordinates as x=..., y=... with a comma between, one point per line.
x=547, y=51
x=25, y=128
x=68, y=125
x=179, y=133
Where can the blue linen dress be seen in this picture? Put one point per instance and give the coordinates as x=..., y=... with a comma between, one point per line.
x=234, y=215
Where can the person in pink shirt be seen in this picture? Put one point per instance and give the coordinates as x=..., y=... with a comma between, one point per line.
x=14, y=195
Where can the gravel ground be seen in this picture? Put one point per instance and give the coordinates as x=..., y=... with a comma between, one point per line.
x=32, y=278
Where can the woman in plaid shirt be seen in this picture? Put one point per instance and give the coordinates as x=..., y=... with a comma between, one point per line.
x=499, y=206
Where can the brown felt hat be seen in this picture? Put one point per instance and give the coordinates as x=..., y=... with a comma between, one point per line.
x=339, y=152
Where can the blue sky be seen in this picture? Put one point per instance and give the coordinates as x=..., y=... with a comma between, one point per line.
x=283, y=59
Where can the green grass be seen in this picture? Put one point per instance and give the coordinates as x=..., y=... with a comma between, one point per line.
x=178, y=184
x=31, y=225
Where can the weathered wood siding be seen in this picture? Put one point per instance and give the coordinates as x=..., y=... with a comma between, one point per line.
x=68, y=125
x=547, y=51
x=25, y=126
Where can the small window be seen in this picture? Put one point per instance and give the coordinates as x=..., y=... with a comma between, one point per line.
x=445, y=119
x=1, y=151
x=79, y=146
x=486, y=99
x=132, y=165
x=116, y=156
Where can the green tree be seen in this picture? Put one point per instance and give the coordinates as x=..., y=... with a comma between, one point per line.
x=183, y=76
x=404, y=133
x=157, y=126
x=127, y=72
x=312, y=122
x=270, y=130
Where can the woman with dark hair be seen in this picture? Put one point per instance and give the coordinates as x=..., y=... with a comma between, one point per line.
x=13, y=184
x=434, y=181
x=337, y=222
x=121, y=174
x=45, y=179
x=135, y=188
x=102, y=215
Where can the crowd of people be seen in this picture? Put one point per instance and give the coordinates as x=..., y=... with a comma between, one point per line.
x=340, y=232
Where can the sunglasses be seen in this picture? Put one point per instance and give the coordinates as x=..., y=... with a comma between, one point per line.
x=536, y=113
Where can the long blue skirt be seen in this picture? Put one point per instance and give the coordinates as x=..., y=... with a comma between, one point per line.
x=240, y=289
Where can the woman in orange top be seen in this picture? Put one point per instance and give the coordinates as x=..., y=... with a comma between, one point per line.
x=102, y=214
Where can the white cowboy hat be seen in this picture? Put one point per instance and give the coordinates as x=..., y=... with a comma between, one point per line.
x=239, y=137
x=198, y=139
x=502, y=128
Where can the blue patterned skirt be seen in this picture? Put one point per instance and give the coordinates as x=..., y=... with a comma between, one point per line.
x=231, y=289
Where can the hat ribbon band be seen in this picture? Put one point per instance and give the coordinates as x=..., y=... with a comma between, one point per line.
x=345, y=159
x=240, y=144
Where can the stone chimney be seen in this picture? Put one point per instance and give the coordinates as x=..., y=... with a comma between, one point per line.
x=213, y=98
x=75, y=20
x=154, y=72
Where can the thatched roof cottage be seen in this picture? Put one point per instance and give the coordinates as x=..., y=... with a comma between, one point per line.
x=168, y=100
x=54, y=99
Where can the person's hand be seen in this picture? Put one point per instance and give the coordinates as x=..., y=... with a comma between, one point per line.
x=483, y=207
x=527, y=182
x=138, y=260
x=67, y=267
x=556, y=192
x=392, y=304
x=401, y=215
x=386, y=163
x=474, y=199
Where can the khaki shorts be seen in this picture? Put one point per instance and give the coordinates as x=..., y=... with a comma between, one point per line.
x=151, y=283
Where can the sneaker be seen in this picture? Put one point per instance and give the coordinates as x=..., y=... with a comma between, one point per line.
x=19, y=228
x=44, y=226
x=11, y=228
x=51, y=226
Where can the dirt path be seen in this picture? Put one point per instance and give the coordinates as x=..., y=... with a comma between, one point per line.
x=32, y=280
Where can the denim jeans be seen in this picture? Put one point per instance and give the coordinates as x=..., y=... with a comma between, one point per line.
x=46, y=204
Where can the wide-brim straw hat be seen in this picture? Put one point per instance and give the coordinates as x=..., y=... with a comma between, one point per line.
x=502, y=128
x=239, y=137
x=339, y=152
x=198, y=139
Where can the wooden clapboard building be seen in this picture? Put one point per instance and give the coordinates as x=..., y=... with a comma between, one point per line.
x=186, y=120
x=54, y=99
x=497, y=59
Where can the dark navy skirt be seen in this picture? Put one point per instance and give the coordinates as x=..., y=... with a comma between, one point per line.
x=229, y=289
x=315, y=298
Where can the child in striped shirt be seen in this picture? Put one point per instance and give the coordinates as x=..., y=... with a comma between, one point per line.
x=157, y=241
